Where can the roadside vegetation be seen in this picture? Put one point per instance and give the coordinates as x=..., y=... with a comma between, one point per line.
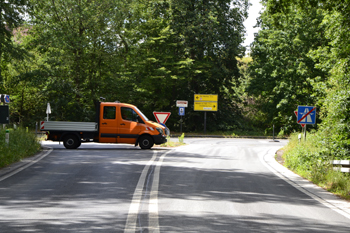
x=170, y=143
x=21, y=144
x=311, y=160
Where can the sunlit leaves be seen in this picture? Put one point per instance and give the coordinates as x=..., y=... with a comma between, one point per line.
x=282, y=69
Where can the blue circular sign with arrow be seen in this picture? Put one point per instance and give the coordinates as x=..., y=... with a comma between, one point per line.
x=7, y=99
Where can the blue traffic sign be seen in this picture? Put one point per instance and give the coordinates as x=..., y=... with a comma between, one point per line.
x=306, y=115
x=181, y=111
x=7, y=99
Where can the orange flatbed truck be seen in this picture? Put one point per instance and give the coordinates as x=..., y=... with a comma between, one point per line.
x=115, y=123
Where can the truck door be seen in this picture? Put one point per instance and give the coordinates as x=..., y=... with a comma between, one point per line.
x=108, y=124
x=129, y=126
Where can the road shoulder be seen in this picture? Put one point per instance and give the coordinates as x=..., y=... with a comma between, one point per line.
x=23, y=164
x=328, y=199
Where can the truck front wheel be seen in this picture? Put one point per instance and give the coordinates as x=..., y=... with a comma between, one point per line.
x=71, y=142
x=146, y=142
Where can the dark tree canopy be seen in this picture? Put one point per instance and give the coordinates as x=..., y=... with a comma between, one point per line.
x=149, y=53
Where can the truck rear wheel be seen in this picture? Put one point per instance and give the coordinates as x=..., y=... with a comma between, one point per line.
x=146, y=142
x=71, y=142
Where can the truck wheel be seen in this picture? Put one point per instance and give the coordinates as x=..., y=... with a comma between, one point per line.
x=146, y=142
x=71, y=142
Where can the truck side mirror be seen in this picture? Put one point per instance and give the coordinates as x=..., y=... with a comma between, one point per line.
x=139, y=120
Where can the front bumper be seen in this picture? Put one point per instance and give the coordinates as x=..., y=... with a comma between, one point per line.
x=159, y=139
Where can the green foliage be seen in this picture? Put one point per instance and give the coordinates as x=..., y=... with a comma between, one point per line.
x=148, y=53
x=171, y=143
x=190, y=47
x=302, y=156
x=11, y=17
x=253, y=115
x=301, y=57
x=336, y=116
x=282, y=71
x=21, y=145
x=181, y=138
x=307, y=158
x=81, y=48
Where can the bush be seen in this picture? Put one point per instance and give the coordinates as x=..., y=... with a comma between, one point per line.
x=181, y=138
x=21, y=145
x=307, y=158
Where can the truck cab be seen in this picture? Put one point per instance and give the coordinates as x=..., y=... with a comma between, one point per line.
x=125, y=123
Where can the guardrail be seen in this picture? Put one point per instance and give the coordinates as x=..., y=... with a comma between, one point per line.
x=341, y=165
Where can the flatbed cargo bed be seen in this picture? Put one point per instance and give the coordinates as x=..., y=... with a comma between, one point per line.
x=68, y=126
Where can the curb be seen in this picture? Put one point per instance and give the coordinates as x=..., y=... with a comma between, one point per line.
x=227, y=136
x=326, y=198
x=23, y=164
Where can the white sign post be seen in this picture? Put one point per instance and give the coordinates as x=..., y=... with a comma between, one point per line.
x=48, y=111
x=182, y=104
x=7, y=137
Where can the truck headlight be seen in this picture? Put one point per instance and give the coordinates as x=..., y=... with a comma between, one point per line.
x=160, y=130
x=167, y=131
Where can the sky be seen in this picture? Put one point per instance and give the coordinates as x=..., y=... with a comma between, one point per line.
x=253, y=13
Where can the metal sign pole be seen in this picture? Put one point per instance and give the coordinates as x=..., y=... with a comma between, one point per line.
x=181, y=125
x=3, y=126
x=205, y=122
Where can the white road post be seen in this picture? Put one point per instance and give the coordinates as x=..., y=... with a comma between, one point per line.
x=7, y=137
x=48, y=111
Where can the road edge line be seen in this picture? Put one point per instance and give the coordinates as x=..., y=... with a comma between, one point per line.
x=296, y=181
x=33, y=161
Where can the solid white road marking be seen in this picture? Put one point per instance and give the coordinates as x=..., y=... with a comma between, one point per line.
x=153, y=219
x=130, y=226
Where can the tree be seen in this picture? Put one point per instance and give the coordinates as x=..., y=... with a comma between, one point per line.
x=329, y=54
x=282, y=72
x=191, y=48
x=334, y=58
x=149, y=53
x=11, y=17
x=84, y=44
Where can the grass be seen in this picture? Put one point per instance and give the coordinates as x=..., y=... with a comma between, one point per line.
x=170, y=143
x=21, y=145
x=307, y=159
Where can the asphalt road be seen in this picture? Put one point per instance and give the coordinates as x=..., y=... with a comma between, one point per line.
x=210, y=185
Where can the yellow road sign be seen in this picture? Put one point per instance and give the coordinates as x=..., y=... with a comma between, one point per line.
x=206, y=106
x=205, y=98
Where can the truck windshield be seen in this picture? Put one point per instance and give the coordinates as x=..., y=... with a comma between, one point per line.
x=140, y=113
